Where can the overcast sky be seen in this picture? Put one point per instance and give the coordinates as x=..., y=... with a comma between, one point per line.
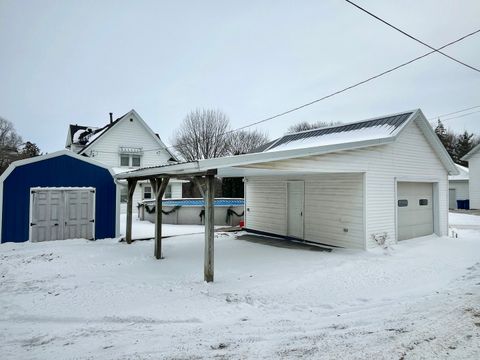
x=68, y=62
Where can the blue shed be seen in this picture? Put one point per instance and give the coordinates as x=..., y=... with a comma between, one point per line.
x=58, y=196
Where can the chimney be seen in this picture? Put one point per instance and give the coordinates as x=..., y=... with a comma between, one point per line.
x=111, y=118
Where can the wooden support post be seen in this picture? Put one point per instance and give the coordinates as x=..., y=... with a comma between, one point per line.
x=131, y=189
x=158, y=186
x=209, y=229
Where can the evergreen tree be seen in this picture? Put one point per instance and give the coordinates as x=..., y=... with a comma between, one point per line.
x=29, y=150
x=465, y=143
x=448, y=139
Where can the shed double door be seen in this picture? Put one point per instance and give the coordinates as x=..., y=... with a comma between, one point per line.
x=59, y=214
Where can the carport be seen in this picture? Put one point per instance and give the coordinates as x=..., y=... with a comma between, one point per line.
x=343, y=186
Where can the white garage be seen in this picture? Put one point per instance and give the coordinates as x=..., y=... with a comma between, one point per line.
x=347, y=186
x=415, y=209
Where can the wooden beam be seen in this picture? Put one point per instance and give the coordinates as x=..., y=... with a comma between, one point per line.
x=160, y=185
x=209, y=229
x=130, y=190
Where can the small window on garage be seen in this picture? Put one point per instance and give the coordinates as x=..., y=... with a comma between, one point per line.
x=147, y=192
x=423, y=202
x=403, y=203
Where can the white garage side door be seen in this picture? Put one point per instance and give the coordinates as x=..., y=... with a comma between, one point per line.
x=415, y=209
x=58, y=214
x=295, y=208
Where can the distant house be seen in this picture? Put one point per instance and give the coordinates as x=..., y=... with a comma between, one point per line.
x=458, y=187
x=348, y=185
x=473, y=158
x=124, y=144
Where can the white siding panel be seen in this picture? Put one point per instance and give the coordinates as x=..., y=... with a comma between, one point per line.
x=461, y=187
x=409, y=157
x=131, y=134
x=474, y=183
x=334, y=209
x=176, y=189
x=333, y=212
x=267, y=203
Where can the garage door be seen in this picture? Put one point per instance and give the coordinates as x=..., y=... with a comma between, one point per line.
x=415, y=209
x=59, y=214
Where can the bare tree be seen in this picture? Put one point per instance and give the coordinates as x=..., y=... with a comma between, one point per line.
x=202, y=135
x=9, y=143
x=304, y=125
x=241, y=142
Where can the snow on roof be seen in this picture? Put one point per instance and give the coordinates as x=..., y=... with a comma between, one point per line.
x=359, y=131
x=464, y=173
x=81, y=133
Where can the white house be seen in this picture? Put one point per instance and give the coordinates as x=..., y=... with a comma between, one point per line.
x=458, y=186
x=124, y=144
x=473, y=158
x=346, y=186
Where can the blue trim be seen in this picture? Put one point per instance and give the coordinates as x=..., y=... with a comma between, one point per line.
x=61, y=171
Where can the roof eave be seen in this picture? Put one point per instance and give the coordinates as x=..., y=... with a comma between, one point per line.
x=246, y=159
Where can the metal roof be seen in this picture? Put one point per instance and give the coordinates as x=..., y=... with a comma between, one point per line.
x=389, y=124
x=373, y=132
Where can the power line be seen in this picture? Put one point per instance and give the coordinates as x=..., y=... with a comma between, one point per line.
x=410, y=36
x=460, y=116
x=338, y=91
x=344, y=89
x=455, y=112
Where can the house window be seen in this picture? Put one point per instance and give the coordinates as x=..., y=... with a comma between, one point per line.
x=423, y=202
x=123, y=194
x=147, y=192
x=130, y=160
x=402, y=203
x=124, y=160
x=136, y=160
x=168, y=192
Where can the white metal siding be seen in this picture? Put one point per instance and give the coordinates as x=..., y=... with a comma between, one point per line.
x=461, y=187
x=129, y=134
x=176, y=190
x=474, y=183
x=333, y=207
x=410, y=157
x=266, y=205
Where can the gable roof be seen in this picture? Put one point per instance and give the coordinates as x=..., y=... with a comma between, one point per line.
x=472, y=152
x=386, y=130
x=376, y=128
x=89, y=135
x=55, y=154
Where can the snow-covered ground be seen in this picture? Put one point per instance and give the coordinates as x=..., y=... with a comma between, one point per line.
x=78, y=299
